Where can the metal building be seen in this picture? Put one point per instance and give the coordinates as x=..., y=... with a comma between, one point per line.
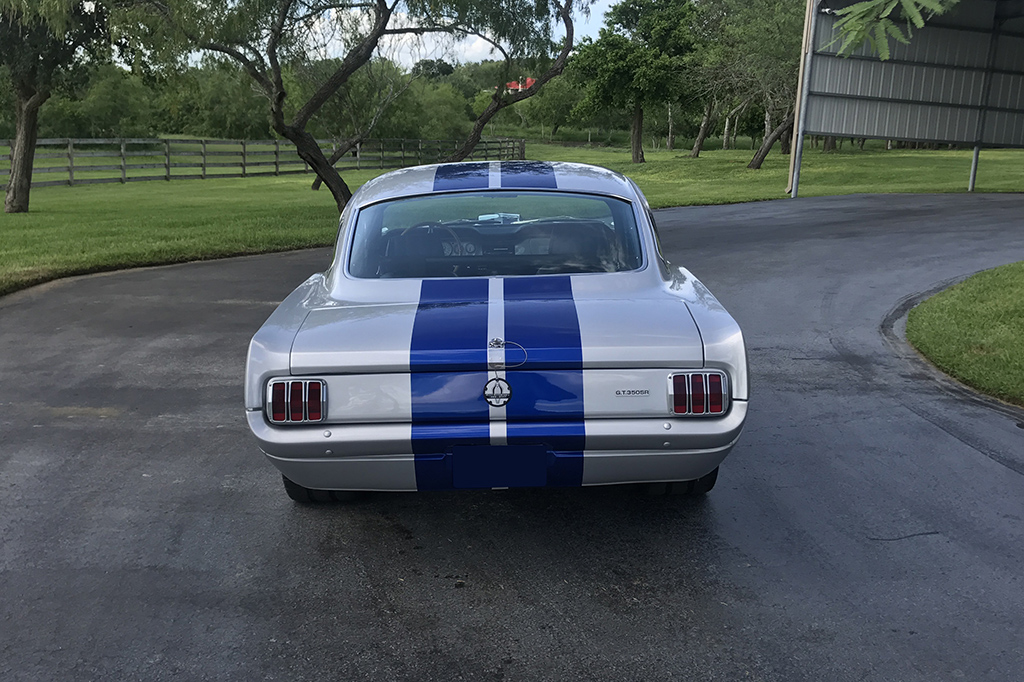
x=960, y=80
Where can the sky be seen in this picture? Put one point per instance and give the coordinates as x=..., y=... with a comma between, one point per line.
x=476, y=49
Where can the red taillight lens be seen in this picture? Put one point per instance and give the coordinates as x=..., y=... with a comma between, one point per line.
x=697, y=391
x=298, y=401
x=277, y=403
x=680, y=391
x=313, y=402
x=700, y=394
x=715, y=394
x=295, y=401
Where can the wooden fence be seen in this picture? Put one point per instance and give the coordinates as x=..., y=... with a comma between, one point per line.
x=65, y=161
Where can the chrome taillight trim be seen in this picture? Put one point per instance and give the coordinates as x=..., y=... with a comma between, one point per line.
x=268, y=408
x=726, y=394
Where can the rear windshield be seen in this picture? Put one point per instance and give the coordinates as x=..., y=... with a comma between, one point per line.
x=499, y=233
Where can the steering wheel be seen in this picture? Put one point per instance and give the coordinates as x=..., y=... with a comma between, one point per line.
x=455, y=245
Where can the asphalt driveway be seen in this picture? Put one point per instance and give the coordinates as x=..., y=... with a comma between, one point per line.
x=867, y=527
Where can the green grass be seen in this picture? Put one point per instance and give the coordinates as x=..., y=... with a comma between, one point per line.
x=974, y=331
x=88, y=228
x=75, y=230
x=671, y=178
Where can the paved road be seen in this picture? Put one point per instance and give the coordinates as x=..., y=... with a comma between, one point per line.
x=868, y=526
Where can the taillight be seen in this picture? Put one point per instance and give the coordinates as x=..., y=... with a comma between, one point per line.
x=277, y=392
x=716, y=397
x=295, y=401
x=700, y=394
x=313, y=401
x=680, y=394
x=299, y=401
x=697, y=389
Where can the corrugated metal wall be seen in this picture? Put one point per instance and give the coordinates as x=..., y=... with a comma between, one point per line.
x=940, y=88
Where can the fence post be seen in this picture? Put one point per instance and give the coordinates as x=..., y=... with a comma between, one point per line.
x=124, y=163
x=243, y=159
x=277, y=157
x=167, y=160
x=403, y=152
x=382, y=153
x=522, y=149
x=359, y=155
x=204, y=159
x=71, y=162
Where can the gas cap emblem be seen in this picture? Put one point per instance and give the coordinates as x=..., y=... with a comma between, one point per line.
x=497, y=392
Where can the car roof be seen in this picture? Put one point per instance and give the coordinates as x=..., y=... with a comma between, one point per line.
x=484, y=175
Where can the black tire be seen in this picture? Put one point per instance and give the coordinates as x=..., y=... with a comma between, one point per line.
x=311, y=496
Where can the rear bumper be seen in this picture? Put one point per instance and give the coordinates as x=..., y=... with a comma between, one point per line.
x=380, y=457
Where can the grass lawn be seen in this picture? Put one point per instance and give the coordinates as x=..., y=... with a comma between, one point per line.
x=671, y=178
x=73, y=230
x=974, y=331
x=88, y=228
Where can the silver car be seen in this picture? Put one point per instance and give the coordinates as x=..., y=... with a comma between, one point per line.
x=494, y=325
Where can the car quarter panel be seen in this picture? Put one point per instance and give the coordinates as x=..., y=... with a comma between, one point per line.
x=724, y=347
x=270, y=348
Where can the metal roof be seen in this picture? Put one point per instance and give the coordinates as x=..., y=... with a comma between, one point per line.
x=959, y=80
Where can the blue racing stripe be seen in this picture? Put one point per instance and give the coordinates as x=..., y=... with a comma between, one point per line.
x=454, y=176
x=450, y=329
x=540, y=316
x=547, y=391
x=447, y=364
x=527, y=175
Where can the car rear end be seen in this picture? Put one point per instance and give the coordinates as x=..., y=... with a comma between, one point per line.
x=581, y=365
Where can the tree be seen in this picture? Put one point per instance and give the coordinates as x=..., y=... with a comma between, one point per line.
x=872, y=22
x=553, y=106
x=432, y=69
x=212, y=99
x=637, y=60
x=38, y=46
x=520, y=45
x=750, y=53
x=264, y=36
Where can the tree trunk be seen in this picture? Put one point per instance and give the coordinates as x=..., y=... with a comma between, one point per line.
x=786, y=140
x=733, y=117
x=310, y=152
x=341, y=151
x=829, y=145
x=23, y=154
x=767, y=122
x=670, y=142
x=636, y=134
x=705, y=128
x=769, y=142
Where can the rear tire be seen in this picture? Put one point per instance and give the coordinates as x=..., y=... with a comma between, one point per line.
x=306, y=495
